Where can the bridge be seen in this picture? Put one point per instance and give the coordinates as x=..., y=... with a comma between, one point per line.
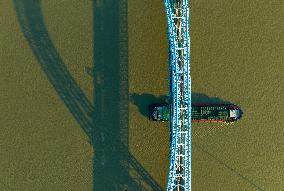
x=179, y=176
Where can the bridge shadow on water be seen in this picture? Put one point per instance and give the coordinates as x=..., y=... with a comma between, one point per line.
x=106, y=122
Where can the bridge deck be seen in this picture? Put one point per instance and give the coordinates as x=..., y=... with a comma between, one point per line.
x=179, y=177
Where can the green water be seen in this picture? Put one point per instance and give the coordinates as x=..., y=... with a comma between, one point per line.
x=236, y=56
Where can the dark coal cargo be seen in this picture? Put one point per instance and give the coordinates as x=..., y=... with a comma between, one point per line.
x=227, y=113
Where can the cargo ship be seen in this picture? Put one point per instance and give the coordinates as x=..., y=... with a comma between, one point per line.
x=227, y=113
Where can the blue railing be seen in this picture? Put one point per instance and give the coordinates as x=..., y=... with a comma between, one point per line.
x=179, y=176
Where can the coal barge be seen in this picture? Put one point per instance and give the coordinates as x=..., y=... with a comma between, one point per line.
x=227, y=113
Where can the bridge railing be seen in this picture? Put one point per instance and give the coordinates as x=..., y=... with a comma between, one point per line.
x=179, y=177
